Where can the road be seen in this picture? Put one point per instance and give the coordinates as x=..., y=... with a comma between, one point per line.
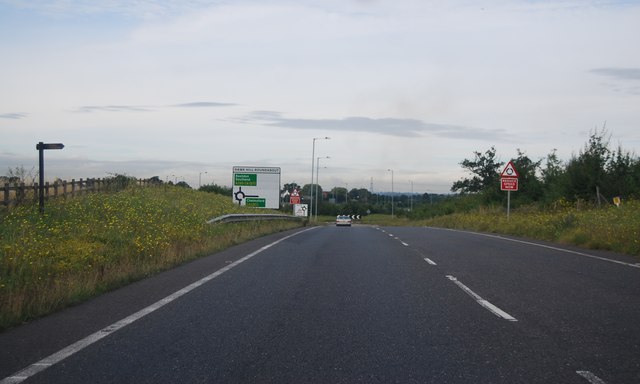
x=352, y=305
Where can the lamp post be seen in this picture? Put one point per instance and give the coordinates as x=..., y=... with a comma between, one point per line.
x=346, y=193
x=200, y=179
x=313, y=158
x=317, y=182
x=391, y=170
x=411, y=199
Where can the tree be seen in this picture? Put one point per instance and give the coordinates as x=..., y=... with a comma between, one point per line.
x=183, y=184
x=484, y=168
x=340, y=194
x=289, y=187
x=586, y=172
x=214, y=188
x=530, y=187
x=361, y=194
x=21, y=175
x=554, y=178
x=306, y=190
x=621, y=178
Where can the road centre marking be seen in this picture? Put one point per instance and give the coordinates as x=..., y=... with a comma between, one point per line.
x=593, y=379
x=484, y=303
x=70, y=350
x=428, y=260
x=548, y=247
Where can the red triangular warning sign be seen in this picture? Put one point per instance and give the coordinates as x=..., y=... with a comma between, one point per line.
x=509, y=171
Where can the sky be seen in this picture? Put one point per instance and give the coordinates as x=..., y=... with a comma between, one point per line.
x=185, y=90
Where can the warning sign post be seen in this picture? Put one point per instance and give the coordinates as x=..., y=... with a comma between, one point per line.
x=509, y=182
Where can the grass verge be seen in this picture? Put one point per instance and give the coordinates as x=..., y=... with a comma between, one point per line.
x=610, y=228
x=85, y=246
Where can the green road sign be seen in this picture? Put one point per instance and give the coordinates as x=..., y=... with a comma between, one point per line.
x=256, y=202
x=245, y=179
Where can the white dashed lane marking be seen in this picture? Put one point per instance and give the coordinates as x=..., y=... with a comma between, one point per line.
x=484, y=303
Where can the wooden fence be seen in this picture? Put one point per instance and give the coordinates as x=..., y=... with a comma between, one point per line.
x=20, y=193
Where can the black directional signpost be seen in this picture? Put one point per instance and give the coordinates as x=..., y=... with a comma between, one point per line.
x=41, y=148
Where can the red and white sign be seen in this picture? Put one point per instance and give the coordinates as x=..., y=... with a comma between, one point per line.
x=295, y=197
x=509, y=171
x=509, y=183
x=509, y=178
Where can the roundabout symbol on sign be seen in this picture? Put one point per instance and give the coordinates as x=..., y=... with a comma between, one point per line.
x=239, y=196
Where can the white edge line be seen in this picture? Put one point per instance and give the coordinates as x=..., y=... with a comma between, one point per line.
x=484, y=303
x=428, y=260
x=545, y=246
x=62, y=354
x=593, y=379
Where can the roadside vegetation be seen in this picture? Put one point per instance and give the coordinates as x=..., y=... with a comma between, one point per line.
x=568, y=202
x=611, y=228
x=87, y=245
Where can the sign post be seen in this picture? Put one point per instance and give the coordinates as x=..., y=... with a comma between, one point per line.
x=509, y=182
x=41, y=147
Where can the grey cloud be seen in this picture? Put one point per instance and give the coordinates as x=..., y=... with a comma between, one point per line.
x=14, y=116
x=147, y=108
x=111, y=108
x=384, y=126
x=203, y=104
x=619, y=73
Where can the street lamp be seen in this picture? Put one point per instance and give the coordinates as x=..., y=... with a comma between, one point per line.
x=411, y=199
x=346, y=193
x=391, y=170
x=317, y=182
x=313, y=158
x=200, y=179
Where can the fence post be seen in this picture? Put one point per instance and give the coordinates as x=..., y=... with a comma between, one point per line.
x=73, y=187
x=20, y=193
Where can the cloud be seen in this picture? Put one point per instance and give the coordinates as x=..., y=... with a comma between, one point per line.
x=625, y=80
x=385, y=126
x=148, y=108
x=619, y=73
x=14, y=116
x=112, y=108
x=140, y=9
x=203, y=104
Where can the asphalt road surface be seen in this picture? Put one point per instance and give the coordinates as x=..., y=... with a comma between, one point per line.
x=352, y=305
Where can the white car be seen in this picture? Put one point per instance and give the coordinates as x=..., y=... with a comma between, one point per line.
x=343, y=220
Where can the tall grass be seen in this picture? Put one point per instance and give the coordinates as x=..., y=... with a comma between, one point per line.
x=611, y=228
x=84, y=246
